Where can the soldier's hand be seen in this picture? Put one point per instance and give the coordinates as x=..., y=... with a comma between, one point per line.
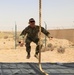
x=21, y=43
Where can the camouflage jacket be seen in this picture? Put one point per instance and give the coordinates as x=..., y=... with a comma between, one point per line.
x=33, y=32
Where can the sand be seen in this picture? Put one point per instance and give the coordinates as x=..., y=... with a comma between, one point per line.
x=8, y=53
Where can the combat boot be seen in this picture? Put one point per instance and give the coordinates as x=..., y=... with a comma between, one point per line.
x=36, y=55
x=28, y=56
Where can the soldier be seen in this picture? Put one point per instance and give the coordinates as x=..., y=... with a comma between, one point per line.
x=32, y=31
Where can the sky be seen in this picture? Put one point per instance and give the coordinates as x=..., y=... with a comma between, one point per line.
x=57, y=14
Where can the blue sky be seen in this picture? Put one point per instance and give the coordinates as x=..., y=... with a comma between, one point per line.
x=56, y=13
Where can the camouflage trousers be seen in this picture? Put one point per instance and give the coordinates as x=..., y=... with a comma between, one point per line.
x=28, y=42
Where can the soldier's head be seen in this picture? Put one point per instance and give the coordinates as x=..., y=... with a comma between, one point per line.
x=32, y=22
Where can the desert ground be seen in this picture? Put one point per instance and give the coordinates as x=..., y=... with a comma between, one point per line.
x=56, y=50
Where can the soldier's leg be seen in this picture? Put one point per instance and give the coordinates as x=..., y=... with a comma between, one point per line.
x=28, y=47
x=37, y=51
x=37, y=47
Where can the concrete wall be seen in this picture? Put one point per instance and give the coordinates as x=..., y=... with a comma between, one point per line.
x=63, y=34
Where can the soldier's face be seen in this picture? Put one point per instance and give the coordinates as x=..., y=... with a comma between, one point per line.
x=32, y=23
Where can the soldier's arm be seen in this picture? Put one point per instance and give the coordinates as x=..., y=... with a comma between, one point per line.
x=23, y=34
x=45, y=32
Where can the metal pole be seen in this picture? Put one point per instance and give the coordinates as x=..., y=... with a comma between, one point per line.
x=15, y=35
x=45, y=35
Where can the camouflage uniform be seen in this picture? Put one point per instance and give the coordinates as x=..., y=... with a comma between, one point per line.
x=32, y=36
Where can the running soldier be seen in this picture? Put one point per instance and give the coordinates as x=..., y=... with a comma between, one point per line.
x=32, y=31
